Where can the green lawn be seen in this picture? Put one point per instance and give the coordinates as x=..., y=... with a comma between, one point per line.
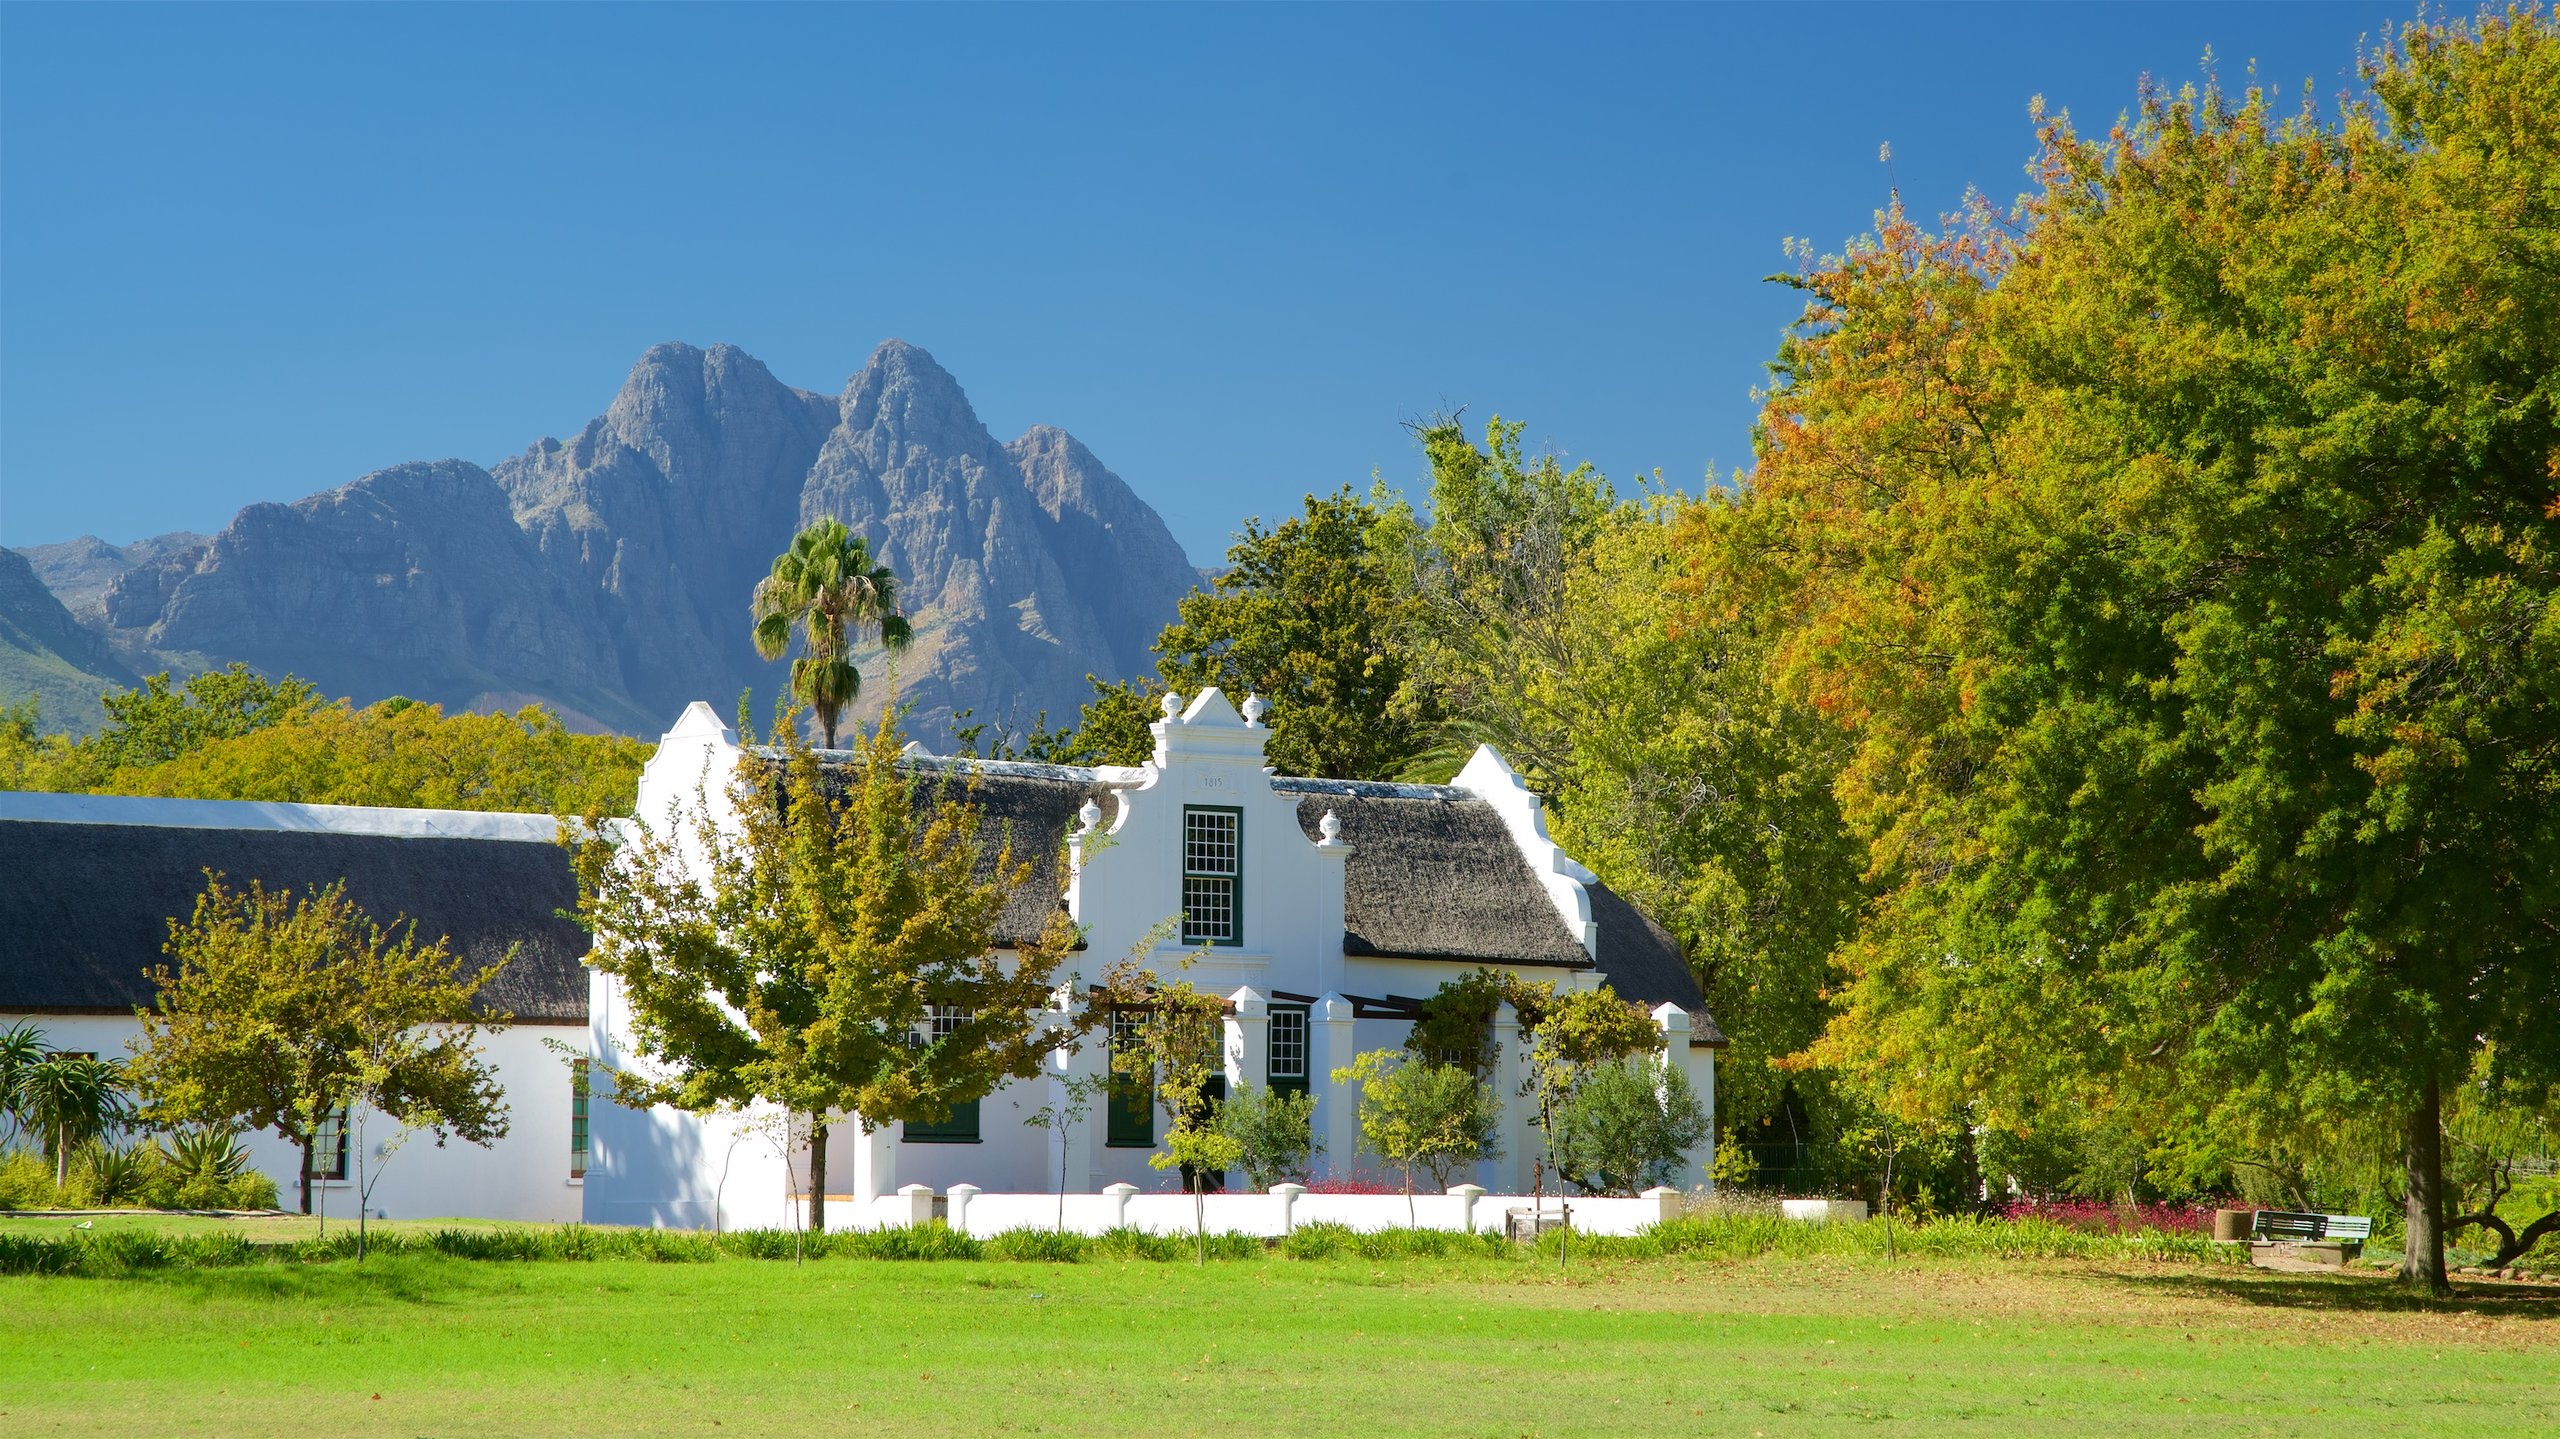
x=433, y=1346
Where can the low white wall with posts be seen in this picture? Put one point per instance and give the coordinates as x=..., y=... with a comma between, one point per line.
x=1271, y=1215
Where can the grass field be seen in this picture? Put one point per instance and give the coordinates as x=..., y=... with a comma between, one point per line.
x=424, y=1345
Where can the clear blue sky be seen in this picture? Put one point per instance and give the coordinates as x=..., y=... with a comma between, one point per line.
x=253, y=253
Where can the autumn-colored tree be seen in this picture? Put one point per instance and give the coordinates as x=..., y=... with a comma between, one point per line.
x=838, y=950
x=284, y=1011
x=2178, y=553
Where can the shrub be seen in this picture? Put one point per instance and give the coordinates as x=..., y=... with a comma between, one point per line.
x=1628, y=1126
x=1274, y=1128
x=1129, y=1242
x=936, y=1240
x=1052, y=1246
x=110, y=1176
x=1323, y=1239
x=26, y=1182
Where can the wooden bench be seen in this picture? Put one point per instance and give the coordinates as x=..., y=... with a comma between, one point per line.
x=2285, y=1226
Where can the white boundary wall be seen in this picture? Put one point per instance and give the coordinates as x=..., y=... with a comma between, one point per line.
x=1264, y=1216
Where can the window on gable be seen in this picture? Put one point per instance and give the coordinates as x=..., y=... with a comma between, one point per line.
x=577, y=1119
x=329, y=1147
x=1212, y=876
x=1288, y=1049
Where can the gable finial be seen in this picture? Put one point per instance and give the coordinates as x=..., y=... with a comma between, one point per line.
x=1255, y=707
x=1171, y=704
x=1331, y=828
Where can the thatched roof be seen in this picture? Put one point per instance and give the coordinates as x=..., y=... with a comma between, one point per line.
x=85, y=907
x=1434, y=874
x=1644, y=963
x=1033, y=804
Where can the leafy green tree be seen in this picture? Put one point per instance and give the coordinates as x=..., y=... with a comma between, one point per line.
x=2177, y=552
x=156, y=723
x=71, y=1099
x=1423, y=1116
x=1274, y=1131
x=1628, y=1126
x=1170, y=1041
x=806, y=959
x=1575, y=1035
x=1559, y=622
x=827, y=588
x=284, y=1011
x=1307, y=615
x=397, y=752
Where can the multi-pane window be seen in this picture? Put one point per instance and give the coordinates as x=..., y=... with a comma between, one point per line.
x=329, y=1147
x=1212, y=875
x=960, y=1126
x=577, y=1119
x=1289, y=1049
x=1131, y=1105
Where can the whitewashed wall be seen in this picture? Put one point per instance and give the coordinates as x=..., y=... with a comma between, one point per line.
x=523, y=1177
x=1263, y=1216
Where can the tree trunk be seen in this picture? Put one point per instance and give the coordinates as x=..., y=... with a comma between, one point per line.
x=306, y=1174
x=2422, y=1256
x=817, y=1174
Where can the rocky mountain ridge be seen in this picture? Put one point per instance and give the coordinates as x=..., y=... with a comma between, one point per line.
x=608, y=575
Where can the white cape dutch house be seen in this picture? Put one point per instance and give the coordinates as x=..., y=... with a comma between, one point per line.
x=90, y=883
x=1323, y=909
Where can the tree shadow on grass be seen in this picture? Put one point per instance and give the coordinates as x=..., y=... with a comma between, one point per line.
x=2350, y=1293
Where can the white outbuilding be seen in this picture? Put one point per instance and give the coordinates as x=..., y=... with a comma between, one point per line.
x=90, y=883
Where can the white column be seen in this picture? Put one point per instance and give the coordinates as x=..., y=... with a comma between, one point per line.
x=917, y=1210
x=1467, y=1195
x=1119, y=1194
x=1676, y=1030
x=958, y=1217
x=1288, y=1194
x=875, y=1163
x=1248, y=1039
x=1086, y=1063
x=1519, y=1135
x=1337, y=1113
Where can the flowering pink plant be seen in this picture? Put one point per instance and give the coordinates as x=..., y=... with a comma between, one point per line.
x=2115, y=1218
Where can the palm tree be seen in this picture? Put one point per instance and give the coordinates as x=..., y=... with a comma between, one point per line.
x=827, y=586
x=21, y=1048
x=68, y=1098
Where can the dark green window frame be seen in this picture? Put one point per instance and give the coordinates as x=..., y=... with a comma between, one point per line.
x=960, y=1126
x=1287, y=1042
x=329, y=1147
x=578, y=1090
x=1129, y=1105
x=1203, y=876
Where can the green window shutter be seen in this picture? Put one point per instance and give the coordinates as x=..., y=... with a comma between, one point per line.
x=958, y=1127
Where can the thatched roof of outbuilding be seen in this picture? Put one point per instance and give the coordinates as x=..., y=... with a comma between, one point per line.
x=1433, y=874
x=85, y=908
